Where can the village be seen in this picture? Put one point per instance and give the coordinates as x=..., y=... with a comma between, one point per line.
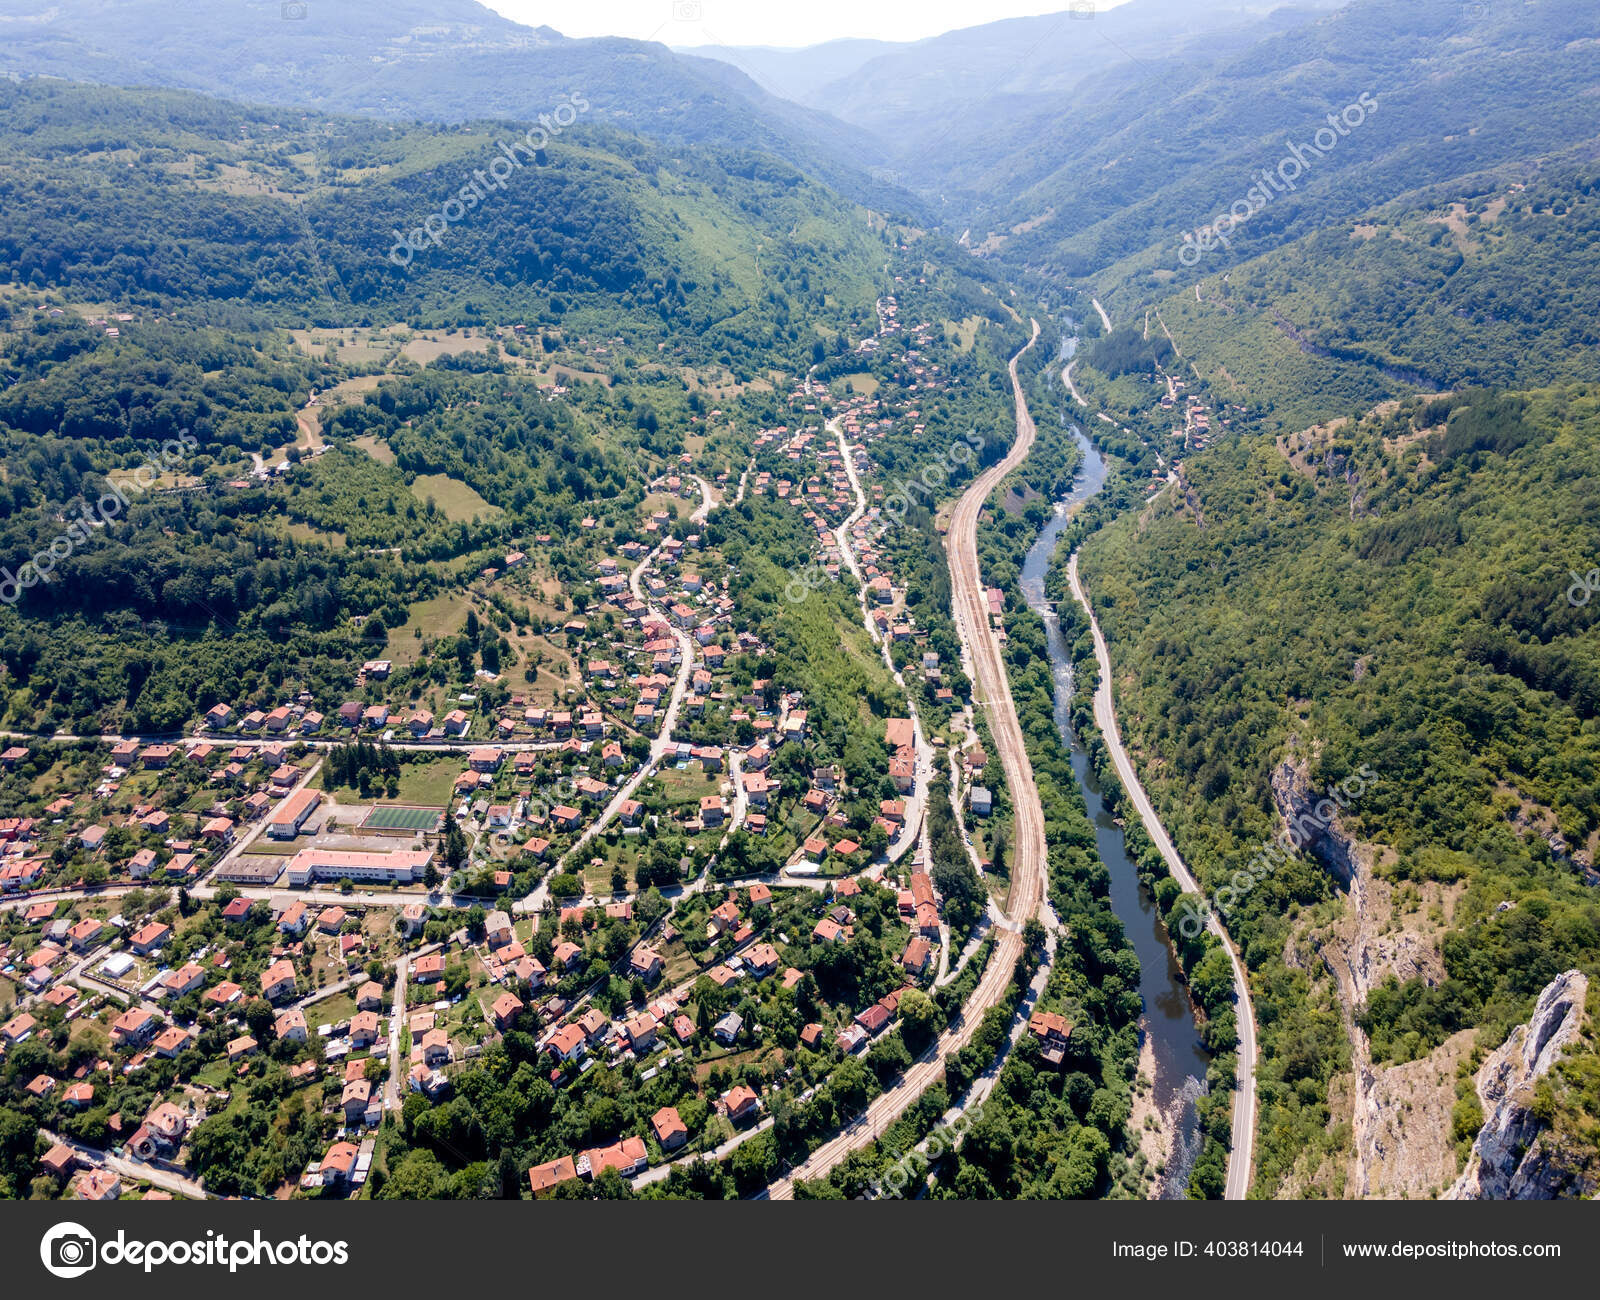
x=642, y=868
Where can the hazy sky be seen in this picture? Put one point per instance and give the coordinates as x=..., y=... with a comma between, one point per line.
x=768, y=22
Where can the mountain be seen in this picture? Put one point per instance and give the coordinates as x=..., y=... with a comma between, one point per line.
x=796, y=74
x=451, y=62
x=171, y=200
x=1392, y=596
x=970, y=83
x=1458, y=90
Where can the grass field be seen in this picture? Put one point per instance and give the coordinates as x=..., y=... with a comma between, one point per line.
x=860, y=382
x=375, y=447
x=303, y=532
x=431, y=783
x=440, y=616
x=456, y=499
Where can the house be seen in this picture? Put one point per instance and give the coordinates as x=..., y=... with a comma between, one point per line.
x=741, y=1102
x=760, y=895
x=413, y=916
x=147, y=938
x=874, y=1020
x=670, y=1130
x=565, y=817
x=295, y=919
x=542, y=1178
x=981, y=800
x=338, y=1164
x=369, y=997
x=568, y=1043
x=59, y=1160
x=171, y=1041
x=278, y=981
x=628, y=1157
x=811, y=1037
x=640, y=1032
x=762, y=960
x=366, y=1028
x=187, y=978
x=428, y=969
x=646, y=964
x=84, y=934
x=497, y=929
x=133, y=1028
x=355, y=1099
x=1053, y=1033
x=223, y=995
x=17, y=1029
x=99, y=1185
x=332, y=920
x=727, y=1029
x=916, y=957
x=435, y=1048
x=828, y=931
x=505, y=1009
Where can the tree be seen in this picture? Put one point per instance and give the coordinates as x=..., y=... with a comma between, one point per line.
x=455, y=845
x=920, y=1020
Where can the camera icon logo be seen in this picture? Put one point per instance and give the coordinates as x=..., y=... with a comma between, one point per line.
x=68, y=1250
x=293, y=10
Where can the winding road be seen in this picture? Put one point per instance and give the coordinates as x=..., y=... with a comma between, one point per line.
x=1105, y=718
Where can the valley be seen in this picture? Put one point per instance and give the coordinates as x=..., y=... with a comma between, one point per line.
x=599, y=619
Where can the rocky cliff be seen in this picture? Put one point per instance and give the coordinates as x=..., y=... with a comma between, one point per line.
x=1516, y=1156
x=1314, y=818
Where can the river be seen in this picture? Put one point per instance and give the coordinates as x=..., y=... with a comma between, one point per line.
x=1168, y=1020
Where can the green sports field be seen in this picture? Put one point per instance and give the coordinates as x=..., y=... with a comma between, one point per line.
x=394, y=818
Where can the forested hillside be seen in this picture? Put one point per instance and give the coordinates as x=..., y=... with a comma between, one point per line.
x=1489, y=283
x=1393, y=598
x=452, y=61
x=158, y=198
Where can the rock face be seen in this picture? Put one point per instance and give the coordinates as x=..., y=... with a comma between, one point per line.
x=1312, y=817
x=1514, y=1156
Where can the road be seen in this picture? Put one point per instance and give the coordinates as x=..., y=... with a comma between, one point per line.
x=917, y=800
x=1105, y=717
x=1066, y=378
x=310, y=742
x=658, y=747
x=165, y=1179
x=1028, y=853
